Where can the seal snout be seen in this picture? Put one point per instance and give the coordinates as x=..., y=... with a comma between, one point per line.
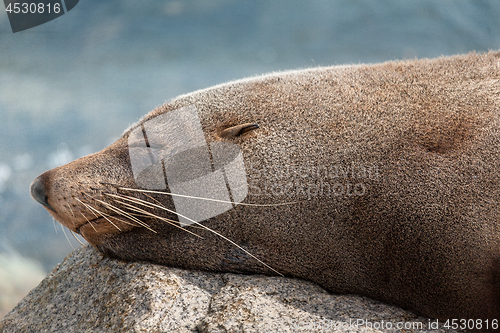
x=38, y=192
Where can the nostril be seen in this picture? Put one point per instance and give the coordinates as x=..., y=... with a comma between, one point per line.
x=38, y=192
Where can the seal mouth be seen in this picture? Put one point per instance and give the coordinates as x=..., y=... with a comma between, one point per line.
x=94, y=222
x=108, y=225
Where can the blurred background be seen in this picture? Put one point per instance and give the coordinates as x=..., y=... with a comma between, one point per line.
x=70, y=87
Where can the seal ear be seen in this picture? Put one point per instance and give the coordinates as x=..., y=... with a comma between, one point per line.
x=235, y=131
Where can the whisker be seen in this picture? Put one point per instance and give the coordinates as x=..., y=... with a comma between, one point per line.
x=137, y=214
x=150, y=197
x=64, y=232
x=134, y=199
x=159, y=203
x=169, y=221
x=130, y=216
x=55, y=224
x=121, y=212
x=71, y=210
x=207, y=199
x=88, y=207
x=72, y=214
x=204, y=227
x=74, y=236
x=89, y=222
x=102, y=214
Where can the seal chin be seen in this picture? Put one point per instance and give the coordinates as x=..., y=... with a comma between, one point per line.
x=97, y=230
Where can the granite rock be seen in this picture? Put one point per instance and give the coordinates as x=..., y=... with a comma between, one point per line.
x=89, y=293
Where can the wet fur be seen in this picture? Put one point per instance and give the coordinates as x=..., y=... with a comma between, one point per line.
x=424, y=236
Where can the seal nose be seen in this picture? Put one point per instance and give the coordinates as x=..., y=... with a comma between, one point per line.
x=38, y=192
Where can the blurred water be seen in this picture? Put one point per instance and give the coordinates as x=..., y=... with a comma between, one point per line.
x=71, y=86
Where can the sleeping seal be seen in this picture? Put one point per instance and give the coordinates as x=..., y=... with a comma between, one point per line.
x=379, y=180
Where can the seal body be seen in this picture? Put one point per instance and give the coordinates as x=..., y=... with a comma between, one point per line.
x=380, y=180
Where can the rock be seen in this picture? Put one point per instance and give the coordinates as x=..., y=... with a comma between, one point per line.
x=87, y=292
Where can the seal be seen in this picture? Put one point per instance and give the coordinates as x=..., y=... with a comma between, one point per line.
x=380, y=180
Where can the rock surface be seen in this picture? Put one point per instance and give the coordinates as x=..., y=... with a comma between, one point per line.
x=88, y=293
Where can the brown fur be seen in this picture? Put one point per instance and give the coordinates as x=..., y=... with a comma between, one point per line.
x=423, y=139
